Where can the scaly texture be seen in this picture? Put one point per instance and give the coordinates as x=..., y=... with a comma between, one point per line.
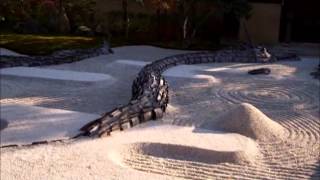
x=150, y=90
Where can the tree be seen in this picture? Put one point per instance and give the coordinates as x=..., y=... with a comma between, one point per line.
x=80, y=13
x=52, y=15
x=192, y=21
x=125, y=17
x=125, y=23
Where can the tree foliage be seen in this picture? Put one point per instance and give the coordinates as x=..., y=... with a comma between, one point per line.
x=192, y=19
x=80, y=12
x=47, y=14
x=185, y=20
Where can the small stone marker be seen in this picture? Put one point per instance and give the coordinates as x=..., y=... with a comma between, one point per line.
x=265, y=71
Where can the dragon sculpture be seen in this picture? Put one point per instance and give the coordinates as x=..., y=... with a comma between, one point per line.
x=150, y=95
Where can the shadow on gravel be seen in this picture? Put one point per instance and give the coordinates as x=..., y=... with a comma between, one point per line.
x=316, y=174
x=186, y=153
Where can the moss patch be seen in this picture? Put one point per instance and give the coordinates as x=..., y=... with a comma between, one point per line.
x=45, y=44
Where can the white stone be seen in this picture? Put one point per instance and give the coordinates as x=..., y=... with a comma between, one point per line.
x=27, y=124
x=132, y=62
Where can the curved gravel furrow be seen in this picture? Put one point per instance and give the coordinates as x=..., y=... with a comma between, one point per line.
x=150, y=90
x=207, y=171
x=280, y=97
x=301, y=128
x=297, y=158
x=289, y=103
x=281, y=160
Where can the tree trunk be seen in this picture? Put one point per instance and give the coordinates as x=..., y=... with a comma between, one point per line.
x=63, y=21
x=188, y=31
x=158, y=23
x=185, y=28
x=125, y=18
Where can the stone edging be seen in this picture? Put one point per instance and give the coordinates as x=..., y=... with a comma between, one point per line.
x=59, y=57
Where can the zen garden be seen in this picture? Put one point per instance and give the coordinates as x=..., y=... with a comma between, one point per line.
x=159, y=89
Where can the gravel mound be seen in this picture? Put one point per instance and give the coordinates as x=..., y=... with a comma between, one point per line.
x=249, y=121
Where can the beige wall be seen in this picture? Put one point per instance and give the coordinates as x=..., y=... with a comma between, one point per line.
x=264, y=24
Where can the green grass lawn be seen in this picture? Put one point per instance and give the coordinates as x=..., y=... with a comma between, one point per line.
x=45, y=44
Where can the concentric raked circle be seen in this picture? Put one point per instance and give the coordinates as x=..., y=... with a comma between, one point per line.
x=267, y=94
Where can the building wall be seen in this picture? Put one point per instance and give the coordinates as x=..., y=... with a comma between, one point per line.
x=264, y=24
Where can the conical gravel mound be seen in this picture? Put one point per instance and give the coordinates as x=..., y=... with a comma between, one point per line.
x=249, y=121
